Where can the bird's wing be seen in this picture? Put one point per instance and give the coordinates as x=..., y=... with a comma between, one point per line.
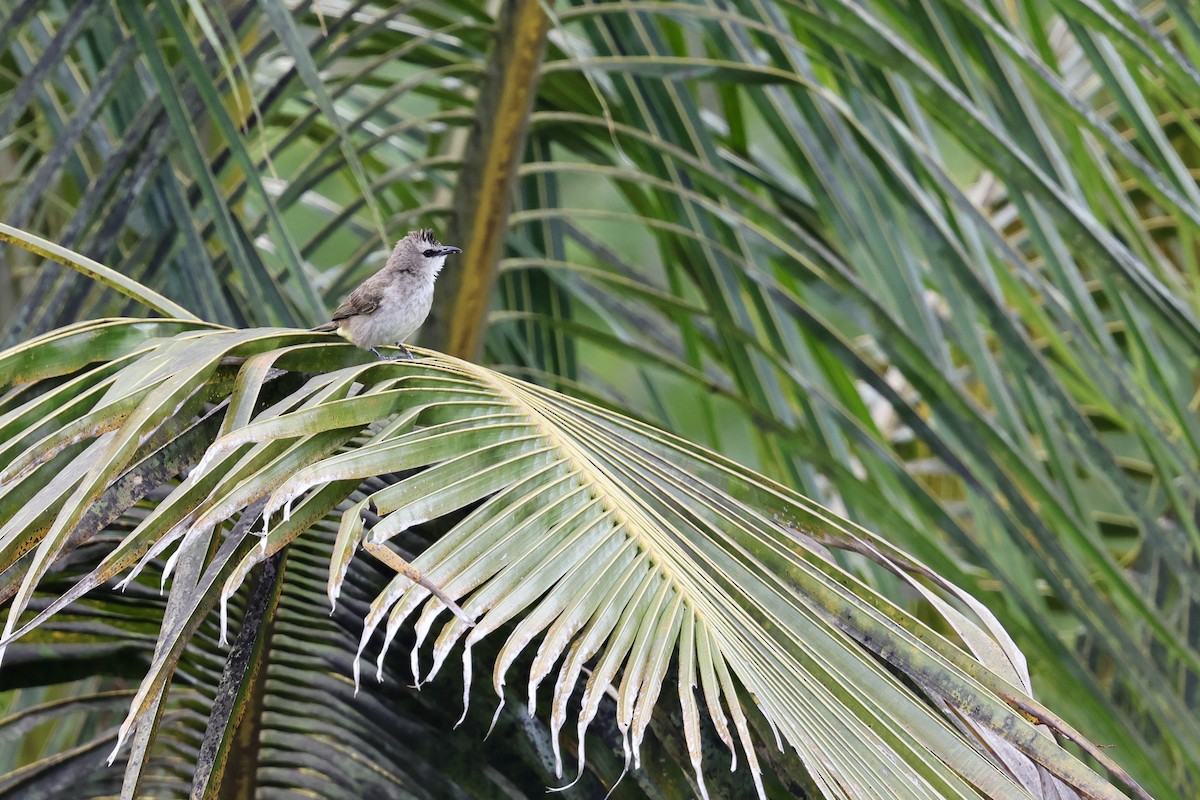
x=363, y=300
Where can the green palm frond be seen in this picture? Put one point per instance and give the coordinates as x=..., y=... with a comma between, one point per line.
x=625, y=549
x=384, y=739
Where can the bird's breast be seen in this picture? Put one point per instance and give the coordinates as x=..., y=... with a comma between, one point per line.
x=402, y=312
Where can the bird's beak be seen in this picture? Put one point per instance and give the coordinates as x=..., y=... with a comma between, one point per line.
x=448, y=250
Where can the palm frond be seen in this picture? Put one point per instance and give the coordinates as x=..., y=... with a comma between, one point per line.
x=621, y=546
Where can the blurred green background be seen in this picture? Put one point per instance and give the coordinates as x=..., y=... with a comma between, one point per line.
x=933, y=264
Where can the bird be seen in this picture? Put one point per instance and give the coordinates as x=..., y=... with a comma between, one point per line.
x=388, y=306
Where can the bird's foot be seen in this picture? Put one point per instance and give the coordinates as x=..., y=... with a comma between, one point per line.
x=403, y=355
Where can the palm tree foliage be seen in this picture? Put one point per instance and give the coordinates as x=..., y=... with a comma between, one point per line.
x=621, y=544
x=932, y=264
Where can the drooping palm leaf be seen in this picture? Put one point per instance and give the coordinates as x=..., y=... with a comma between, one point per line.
x=621, y=546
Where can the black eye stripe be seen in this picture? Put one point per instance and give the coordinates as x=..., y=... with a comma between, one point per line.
x=429, y=253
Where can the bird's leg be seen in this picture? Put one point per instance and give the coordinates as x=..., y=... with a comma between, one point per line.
x=404, y=356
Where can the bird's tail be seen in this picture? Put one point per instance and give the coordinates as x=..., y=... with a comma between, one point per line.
x=328, y=327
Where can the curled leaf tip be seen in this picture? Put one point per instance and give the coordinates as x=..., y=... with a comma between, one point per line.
x=112, y=756
x=495, y=718
x=568, y=786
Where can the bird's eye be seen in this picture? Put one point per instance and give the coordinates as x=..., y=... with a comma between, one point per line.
x=429, y=253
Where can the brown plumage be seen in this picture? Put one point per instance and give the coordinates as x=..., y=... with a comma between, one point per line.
x=391, y=304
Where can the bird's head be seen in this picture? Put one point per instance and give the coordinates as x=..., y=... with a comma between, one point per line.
x=420, y=253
